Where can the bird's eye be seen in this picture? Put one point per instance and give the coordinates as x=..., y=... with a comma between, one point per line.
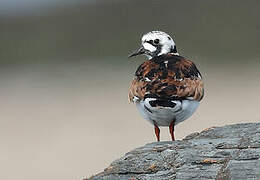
x=156, y=41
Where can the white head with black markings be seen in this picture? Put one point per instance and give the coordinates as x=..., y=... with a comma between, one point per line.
x=156, y=43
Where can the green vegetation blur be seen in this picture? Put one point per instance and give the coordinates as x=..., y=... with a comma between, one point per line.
x=227, y=30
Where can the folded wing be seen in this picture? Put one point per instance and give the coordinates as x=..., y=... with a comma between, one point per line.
x=167, y=77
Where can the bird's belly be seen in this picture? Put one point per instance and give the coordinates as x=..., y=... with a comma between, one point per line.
x=163, y=116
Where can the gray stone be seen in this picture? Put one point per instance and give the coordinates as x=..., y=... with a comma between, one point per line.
x=228, y=152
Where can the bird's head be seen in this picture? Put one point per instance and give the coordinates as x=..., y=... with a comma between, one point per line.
x=156, y=43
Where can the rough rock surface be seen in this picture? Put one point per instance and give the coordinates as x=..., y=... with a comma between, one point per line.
x=229, y=152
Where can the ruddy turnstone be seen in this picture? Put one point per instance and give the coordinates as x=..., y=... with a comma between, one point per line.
x=167, y=88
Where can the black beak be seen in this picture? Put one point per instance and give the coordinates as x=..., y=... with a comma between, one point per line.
x=139, y=51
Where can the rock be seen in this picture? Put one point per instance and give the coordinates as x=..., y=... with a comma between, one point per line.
x=228, y=152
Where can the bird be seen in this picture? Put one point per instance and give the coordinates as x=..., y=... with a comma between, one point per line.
x=167, y=88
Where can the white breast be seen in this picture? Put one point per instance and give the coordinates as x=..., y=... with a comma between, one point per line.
x=163, y=116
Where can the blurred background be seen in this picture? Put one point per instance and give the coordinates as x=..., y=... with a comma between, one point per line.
x=64, y=75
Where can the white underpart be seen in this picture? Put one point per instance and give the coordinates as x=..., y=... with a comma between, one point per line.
x=163, y=116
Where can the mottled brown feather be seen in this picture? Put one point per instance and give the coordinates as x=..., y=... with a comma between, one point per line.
x=167, y=77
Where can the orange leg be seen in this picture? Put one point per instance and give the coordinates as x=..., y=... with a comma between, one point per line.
x=157, y=132
x=171, y=128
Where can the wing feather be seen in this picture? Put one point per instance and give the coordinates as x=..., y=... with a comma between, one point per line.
x=168, y=77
